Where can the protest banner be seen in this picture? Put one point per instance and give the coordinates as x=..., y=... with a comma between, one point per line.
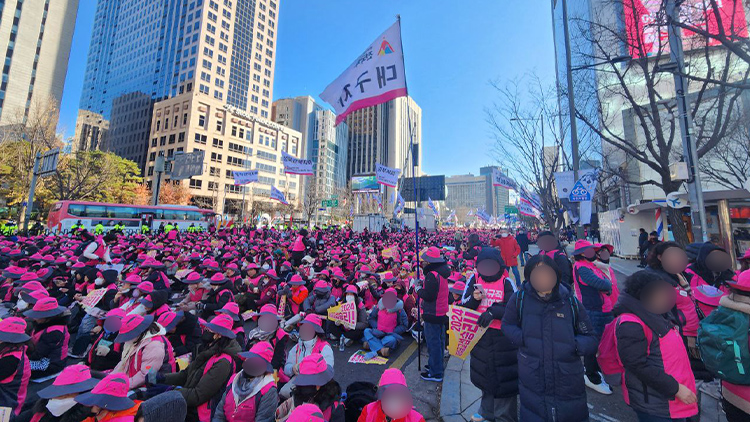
x=282, y=307
x=463, y=331
x=499, y=179
x=293, y=165
x=245, y=177
x=93, y=298
x=386, y=175
x=277, y=195
x=346, y=314
x=359, y=357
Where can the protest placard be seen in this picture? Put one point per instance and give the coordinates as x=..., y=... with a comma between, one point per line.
x=359, y=357
x=463, y=331
x=346, y=314
x=93, y=298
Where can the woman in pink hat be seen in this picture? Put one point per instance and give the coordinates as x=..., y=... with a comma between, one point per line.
x=291, y=296
x=394, y=402
x=314, y=384
x=58, y=400
x=233, y=310
x=197, y=289
x=108, y=401
x=388, y=322
x=320, y=300
x=345, y=335
x=15, y=370
x=105, y=354
x=205, y=378
x=50, y=337
x=268, y=330
x=251, y=395
x=311, y=341
x=218, y=296
x=145, y=349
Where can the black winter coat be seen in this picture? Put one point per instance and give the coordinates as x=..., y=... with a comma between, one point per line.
x=494, y=363
x=551, y=342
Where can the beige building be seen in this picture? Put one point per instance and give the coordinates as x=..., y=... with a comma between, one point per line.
x=232, y=140
x=91, y=132
x=35, y=36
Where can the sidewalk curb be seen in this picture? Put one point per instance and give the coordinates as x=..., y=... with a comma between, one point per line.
x=458, y=394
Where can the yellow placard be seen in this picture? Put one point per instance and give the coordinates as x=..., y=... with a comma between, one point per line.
x=463, y=331
x=346, y=314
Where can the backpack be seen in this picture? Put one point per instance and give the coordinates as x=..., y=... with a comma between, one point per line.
x=723, y=342
x=607, y=355
x=358, y=395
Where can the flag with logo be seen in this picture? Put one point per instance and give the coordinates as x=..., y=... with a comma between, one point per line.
x=452, y=216
x=245, y=177
x=499, y=179
x=278, y=195
x=400, y=203
x=375, y=77
x=482, y=215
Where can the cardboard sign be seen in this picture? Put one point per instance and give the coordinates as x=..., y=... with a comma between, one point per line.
x=94, y=297
x=183, y=273
x=463, y=331
x=5, y=413
x=282, y=307
x=359, y=357
x=248, y=314
x=346, y=314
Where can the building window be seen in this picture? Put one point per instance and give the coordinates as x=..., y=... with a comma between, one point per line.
x=181, y=137
x=172, y=138
x=152, y=156
x=200, y=139
x=213, y=186
x=217, y=143
x=234, y=130
x=219, y=125
x=162, y=141
x=202, y=121
x=153, y=142
x=215, y=157
x=196, y=183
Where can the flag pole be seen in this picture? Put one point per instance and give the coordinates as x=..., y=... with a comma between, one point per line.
x=416, y=202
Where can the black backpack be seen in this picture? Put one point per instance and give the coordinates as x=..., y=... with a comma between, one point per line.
x=358, y=395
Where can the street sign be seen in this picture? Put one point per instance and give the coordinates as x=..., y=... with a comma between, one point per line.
x=187, y=165
x=334, y=197
x=510, y=209
x=333, y=203
x=49, y=162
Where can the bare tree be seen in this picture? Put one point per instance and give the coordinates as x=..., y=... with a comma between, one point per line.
x=728, y=164
x=518, y=119
x=636, y=115
x=313, y=196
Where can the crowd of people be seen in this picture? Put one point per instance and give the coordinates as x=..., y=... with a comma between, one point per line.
x=232, y=324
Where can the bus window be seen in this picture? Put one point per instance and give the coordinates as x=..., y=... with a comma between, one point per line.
x=123, y=212
x=57, y=206
x=96, y=211
x=77, y=210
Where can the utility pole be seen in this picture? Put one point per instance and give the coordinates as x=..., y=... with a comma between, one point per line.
x=571, y=107
x=695, y=190
x=30, y=202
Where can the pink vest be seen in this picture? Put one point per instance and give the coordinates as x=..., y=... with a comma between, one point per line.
x=494, y=293
x=13, y=389
x=59, y=328
x=168, y=364
x=204, y=411
x=101, y=249
x=387, y=321
x=608, y=301
x=299, y=245
x=372, y=411
x=246, y=409
x=441, y=304
x=676, y=364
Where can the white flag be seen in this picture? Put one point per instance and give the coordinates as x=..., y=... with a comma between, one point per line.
x=376, y=76
x=432, y=206
x=278, y=195
x=386, y=175
x=245, y=177
x=499, y=179
x=293, y=165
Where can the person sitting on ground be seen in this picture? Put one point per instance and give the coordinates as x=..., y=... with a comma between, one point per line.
x=314, y=384
x=311, y=340
x=15, y=370
x=58, y=400
x=108, y=400
x=552, y=331
x=251, y=395
x=145, y=349
x=49, y=336
x=268, y=330
x=205, y=378
x=169, y=406
x=388, y=322
x=105, y=354
x=346, y=335
x=394, y=403
x=183, y=331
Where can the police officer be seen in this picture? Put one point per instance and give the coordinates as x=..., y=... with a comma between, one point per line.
x=145, y=229
x=77, y=227
x=99, y=228
x=191, y=229
x=168, y=228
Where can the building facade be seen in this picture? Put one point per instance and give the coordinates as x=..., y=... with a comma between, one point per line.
x=36, y=36
x=468, y=192
x=232, y=140
x=224, y=49
x=91, y=132
x=323, y=142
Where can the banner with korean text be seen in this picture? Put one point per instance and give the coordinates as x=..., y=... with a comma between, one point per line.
x=386, y=175
x=346, y=314
x=376, y=76
x=245, y=177
x=463, y=331
x=278, y=195
x=293, y=165
x=499, y=179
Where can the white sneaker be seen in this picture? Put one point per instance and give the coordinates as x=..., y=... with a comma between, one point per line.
x=601, y=388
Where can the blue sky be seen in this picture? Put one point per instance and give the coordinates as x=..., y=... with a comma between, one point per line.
x=452, y=49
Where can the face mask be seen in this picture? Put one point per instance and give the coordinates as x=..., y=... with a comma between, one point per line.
x=137, y=293
x=99, y=281
x=266, y=266
x=503, y=234
x=207, y=337
x=320, y=295
x=59, y=406
x=350, y=299
x=592, y=259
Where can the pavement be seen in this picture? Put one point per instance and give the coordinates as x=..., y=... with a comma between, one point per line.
x=460, y=399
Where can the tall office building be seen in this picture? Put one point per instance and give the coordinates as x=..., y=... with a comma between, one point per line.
x=322, y=141
x=381, y=134
x=36, y=36
x=468, y=192
x=224, y=49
